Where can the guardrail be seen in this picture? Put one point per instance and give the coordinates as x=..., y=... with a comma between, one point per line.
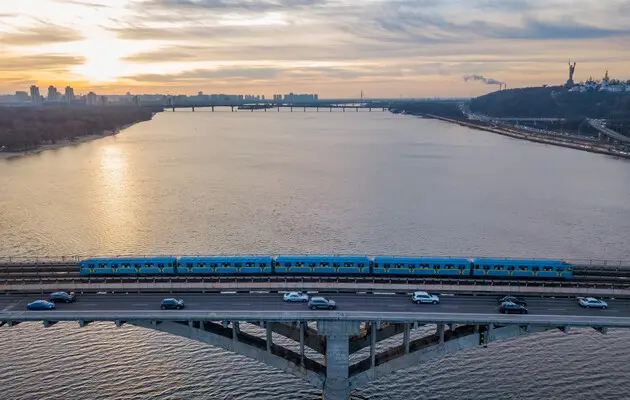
x=321, y=287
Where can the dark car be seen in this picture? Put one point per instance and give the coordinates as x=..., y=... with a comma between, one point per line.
x=512, y=308
x=320, y=302
x=513, y=299
x=40, y=305
x=62, y=297
x=172, y=304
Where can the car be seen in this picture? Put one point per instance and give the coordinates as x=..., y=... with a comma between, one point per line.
x=424, y=297
x=62, y=297
x=40, y=305
x=512, y=308
x=172, y=304
x=513, y=299
x=592, y=302
x=320, y=302
x=295, y=297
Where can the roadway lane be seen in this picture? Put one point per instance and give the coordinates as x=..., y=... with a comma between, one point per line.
x=345, y=302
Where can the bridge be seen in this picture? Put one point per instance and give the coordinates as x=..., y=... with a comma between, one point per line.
x=336, y=351
x=328, y=105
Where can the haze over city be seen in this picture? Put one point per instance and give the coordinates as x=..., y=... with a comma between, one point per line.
x=387, y=48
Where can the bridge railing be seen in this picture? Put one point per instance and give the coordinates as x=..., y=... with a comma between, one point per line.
x=74, y=259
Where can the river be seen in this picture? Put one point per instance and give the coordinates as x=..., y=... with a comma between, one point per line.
x=366, y=183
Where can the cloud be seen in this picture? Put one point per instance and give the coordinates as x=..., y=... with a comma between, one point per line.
x=214, y=5
x=42, y=62
x=38, y=35
x=83, y=3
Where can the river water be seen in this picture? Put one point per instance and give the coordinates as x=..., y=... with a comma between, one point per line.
x=366, y=183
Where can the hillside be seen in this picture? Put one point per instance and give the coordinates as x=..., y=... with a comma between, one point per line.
x=550, y=102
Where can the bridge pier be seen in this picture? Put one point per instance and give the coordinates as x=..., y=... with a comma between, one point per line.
x=193, y=108
x=212, y=108
x=304, y=109
x=337, y=357
x=173, y=108
x=232, y=108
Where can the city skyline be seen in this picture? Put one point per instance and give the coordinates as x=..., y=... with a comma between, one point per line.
x=387, y=48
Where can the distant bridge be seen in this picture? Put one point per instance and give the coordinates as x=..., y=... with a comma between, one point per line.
x=361, y=322
x=323, y=105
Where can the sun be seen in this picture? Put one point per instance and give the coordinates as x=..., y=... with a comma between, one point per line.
x=102, y=60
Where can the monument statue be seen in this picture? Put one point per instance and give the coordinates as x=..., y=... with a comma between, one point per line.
x=570, y=82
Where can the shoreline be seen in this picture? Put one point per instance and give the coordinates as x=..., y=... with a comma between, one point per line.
x=591, y=148
x=6, y=155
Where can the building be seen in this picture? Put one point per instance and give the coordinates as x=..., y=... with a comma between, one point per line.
x=53, y=94
x=91, y=99
x=21, y=96
x=69, y=95
x=294, y=98
x=36, y=98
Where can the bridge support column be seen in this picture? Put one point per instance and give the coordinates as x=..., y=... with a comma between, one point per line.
x=173, y=109
x=235, y=331
x=441, y=332
x=232, y=108
x=269, y=337
x=373, y=329
x=193, y=109
x=302, y=323
x=337, y=358
x=212, y=108
x=406, y=338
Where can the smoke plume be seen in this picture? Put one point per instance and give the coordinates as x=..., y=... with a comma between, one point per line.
x=487, y=81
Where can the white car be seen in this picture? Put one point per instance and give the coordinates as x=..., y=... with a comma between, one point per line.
x=295, y=297
x=424, y=297
x=591, y=302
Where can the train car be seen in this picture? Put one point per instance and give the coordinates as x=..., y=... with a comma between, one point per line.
x=522, y=268
x=225, y=265
x=420, y=266
x=127, y=266
x=322, y=265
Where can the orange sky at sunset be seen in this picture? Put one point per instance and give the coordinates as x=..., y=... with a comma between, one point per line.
x=387, y=48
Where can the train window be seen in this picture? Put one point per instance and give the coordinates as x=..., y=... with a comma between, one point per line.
x=336, y=265
x=476, y=266
x=160, y=265
x=324, y=264
x=226, y=264
x=386, y=265
x=399, y=265
x=114, y=265
x=486, y=267
x=559, y=269
x=189, y=265
x=412, y=266
x=287, y=264
x=238, y=265
x=535, y=268
x=361, y=265
x=213, y=265
x=436, y=266
x=547, y=269
x=102, y=265
x=90, y=265
x=348, y=264
x=170, y=265
x=449, y=266
x=312, y=264
x=375, y=265
x=462, y=267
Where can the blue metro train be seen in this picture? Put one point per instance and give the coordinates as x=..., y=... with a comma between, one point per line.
x=327, y=265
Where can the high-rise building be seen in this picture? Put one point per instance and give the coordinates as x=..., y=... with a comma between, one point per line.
x=35, y=96
x=53, y=94
x=69, y=94
x=91, y=99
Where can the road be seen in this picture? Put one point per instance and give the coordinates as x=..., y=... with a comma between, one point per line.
x=266, y=303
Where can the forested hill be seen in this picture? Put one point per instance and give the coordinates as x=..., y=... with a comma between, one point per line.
x=549, y=102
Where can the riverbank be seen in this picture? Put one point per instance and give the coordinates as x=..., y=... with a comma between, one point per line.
x=5, y=155
x=568, y=143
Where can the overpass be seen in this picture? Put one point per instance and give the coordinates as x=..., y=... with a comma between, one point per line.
x=609, y=133
x=344, y=348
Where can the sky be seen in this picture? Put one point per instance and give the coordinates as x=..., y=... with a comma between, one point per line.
x=336, y=48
